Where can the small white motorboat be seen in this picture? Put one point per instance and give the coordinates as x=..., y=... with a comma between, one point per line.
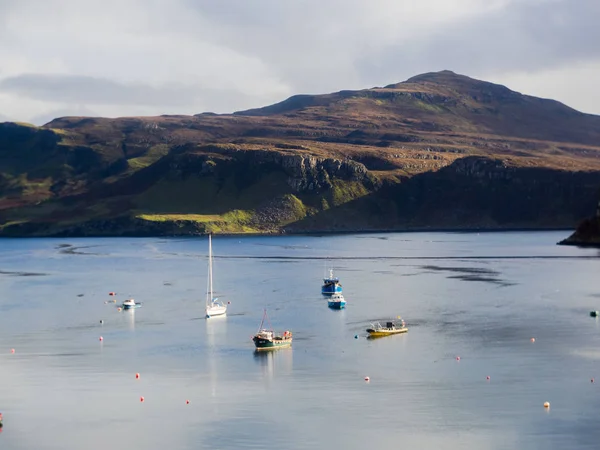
x=131, y=304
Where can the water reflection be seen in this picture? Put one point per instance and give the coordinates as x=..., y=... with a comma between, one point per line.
x=278, y=361
x=216, y=331
x=130, y=313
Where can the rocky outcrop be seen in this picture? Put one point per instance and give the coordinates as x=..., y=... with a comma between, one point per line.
x=587, y=233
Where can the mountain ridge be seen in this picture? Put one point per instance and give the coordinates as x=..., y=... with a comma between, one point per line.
x=290, y=165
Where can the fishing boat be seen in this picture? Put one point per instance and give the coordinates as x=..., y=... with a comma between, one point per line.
x=267, y=339
x=214, y=307
x=336, y=301
x=131, y=304
x=377, y=330
x=331, y=284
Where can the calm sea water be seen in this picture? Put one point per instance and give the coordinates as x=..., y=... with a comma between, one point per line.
x=478, y=296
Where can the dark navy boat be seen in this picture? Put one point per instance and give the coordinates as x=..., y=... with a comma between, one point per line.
x=331, y=285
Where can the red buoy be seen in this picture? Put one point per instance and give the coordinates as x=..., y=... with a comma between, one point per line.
x=12, y=350
x=367, y=379
x=532, y=339
x=111, y=293
x=137, y=376
x=592, y=380
x=458, y=358
x=487, y=378
x=187, y=402
x=141, y=399
x=100, y=338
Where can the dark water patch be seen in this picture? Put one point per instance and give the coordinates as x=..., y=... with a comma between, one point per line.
x=69, y=249
x=23, y=274
x=478, y=274
x=481, y=279
x=59, y=355
x=282, y=262
x=285, y=247
x=469, y=270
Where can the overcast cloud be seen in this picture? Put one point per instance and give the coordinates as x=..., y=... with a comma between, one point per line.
x=149, y=57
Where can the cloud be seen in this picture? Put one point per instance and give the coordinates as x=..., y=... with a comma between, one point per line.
x=527, y=35
x=79, y=89
x=120, y=57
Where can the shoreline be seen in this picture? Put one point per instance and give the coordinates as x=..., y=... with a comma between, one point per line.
x=283, y=233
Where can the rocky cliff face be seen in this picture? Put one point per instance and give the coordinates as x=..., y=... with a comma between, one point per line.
x=472, y=193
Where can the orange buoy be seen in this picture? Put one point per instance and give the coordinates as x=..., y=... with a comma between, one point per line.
x=367, y=379
x=141, y=399
x=546, y=404
x=137, y=376
x=12, y=350
x=100, y=338
x=532, y=339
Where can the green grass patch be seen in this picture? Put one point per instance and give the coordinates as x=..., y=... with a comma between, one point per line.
x=235, y=221
x=346, y=191
x=154, y=154
x=173, y=217
x=429, y=107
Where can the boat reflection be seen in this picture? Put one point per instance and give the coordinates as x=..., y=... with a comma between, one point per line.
x=279, y=360
x=216, y=330
x=130, y=313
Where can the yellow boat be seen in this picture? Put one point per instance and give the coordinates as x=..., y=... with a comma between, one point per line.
x=390, y=328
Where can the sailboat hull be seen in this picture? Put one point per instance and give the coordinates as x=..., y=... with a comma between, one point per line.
x=216, y=311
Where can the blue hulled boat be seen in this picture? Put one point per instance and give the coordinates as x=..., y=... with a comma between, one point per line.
x=331, y=285
x=336, y=301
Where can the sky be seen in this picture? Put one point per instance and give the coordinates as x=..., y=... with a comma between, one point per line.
x=149, y=57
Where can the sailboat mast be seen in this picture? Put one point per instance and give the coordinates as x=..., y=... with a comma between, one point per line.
x=210, y=272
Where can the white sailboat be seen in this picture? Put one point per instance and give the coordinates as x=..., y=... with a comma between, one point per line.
x=213, y=306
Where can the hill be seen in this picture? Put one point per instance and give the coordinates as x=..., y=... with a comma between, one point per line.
x=439, y=150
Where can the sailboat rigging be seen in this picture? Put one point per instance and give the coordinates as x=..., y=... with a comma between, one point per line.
x=214, y=307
